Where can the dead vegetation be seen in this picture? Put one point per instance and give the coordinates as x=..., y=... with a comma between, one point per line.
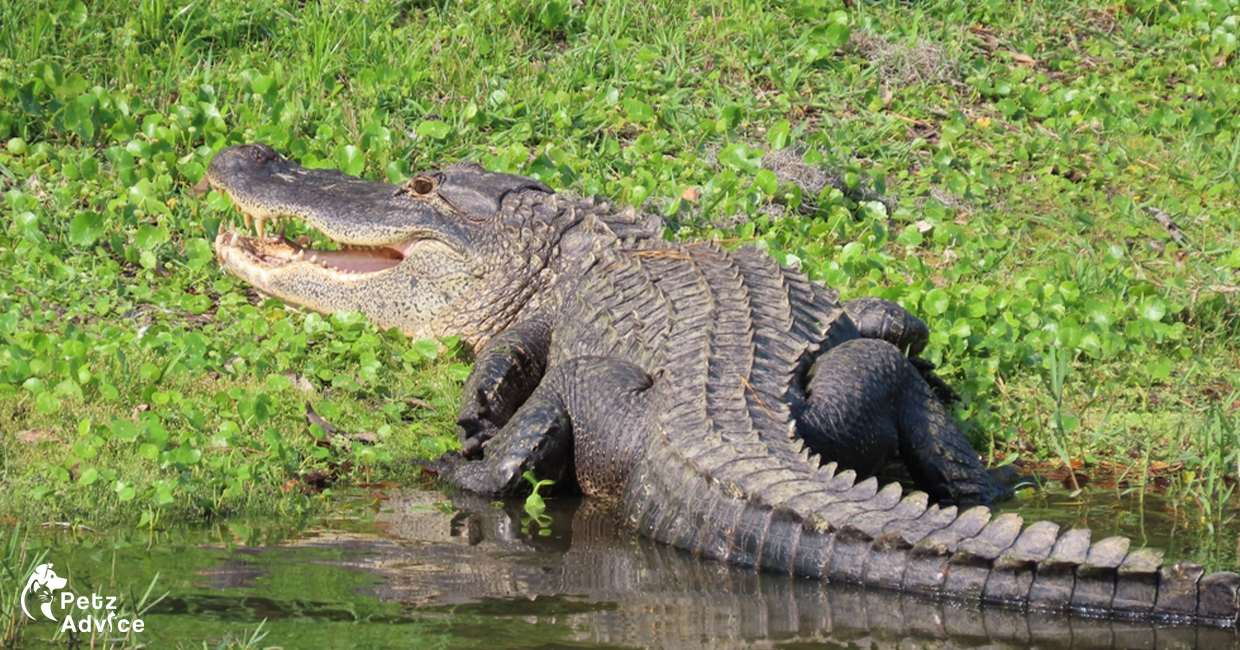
x=905, y=64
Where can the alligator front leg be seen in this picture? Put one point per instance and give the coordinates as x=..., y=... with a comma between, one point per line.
x=588, y=409
x=505, y=374
x=538, y=438
x=867, y=404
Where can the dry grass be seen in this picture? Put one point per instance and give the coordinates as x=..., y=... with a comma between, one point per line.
x=905, y=64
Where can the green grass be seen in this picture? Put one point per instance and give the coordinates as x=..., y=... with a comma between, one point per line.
x=1025, y=154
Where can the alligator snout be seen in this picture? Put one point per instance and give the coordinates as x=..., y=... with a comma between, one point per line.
x=241, y=159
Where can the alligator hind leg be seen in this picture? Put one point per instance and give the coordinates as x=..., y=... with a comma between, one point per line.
x=866, y=404
x=586, y=408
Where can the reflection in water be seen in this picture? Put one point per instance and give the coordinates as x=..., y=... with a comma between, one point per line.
x=1147, y=518
x=590, y=582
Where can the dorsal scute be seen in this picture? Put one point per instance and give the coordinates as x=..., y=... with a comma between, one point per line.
x=886, y=507
x=965, y=525
x=906, y=533
x=1033, y=546
x=994, y=539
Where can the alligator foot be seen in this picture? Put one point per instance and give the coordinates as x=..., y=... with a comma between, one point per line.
x=879, y=318
x=472, y=476
x=476, y=425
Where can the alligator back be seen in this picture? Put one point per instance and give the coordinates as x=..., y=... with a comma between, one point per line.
x=731, y=333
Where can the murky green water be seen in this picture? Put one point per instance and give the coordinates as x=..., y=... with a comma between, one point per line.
x=409, y=572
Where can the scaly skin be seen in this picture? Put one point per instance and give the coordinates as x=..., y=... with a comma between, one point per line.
x=693, y=386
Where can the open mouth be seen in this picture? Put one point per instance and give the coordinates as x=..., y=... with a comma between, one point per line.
x=279, y=251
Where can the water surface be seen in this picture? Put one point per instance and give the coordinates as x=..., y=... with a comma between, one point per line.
x=415, y=568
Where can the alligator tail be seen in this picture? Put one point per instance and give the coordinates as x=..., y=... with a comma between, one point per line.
x=841, y=531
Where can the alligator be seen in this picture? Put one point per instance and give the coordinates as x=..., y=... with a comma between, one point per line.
x=699, y=388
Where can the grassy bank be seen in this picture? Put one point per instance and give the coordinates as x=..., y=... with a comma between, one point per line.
x=1052, y=186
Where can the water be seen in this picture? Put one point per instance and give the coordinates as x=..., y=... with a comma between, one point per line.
x=410, y=571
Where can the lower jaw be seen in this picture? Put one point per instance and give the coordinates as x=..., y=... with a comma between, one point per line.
x=269, y=253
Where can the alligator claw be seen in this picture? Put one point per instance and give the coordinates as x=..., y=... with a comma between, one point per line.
x=472, y=448
x=444, y=467
x=475, y=426
x=472, y=476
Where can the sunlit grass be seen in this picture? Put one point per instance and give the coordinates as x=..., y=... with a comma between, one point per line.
x=1023, y=151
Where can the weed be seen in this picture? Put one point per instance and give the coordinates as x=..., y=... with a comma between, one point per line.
x=535, y=506
x=1052, y=186
x=246, y=640
x=16, y=565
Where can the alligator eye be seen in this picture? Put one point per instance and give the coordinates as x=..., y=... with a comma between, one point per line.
x=417, y=186
x=422, y=186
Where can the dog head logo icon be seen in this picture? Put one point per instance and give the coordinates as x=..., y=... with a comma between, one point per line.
x=43, y=582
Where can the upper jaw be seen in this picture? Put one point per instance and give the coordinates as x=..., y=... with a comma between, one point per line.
x=367, y=221
x=374, y=228
x=348, y=210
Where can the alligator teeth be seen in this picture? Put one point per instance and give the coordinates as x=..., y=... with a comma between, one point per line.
x=221, y=229
x=300, y=254
x=233, y=240
x=261, y=226
x=249, y=221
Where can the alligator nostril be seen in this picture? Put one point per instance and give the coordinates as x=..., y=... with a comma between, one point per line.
x=262, y=153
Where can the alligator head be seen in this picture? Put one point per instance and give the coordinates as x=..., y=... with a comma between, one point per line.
x=454, y=252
